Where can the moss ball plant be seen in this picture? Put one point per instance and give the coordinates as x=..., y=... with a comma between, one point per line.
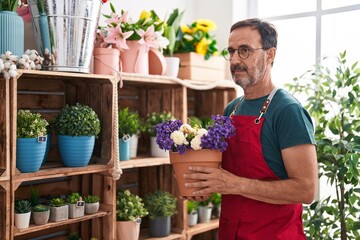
x=77, y=120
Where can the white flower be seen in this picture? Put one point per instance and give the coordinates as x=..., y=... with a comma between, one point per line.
x=186, y=128
x=178, y=138
x=200, y=132
x=195, y=143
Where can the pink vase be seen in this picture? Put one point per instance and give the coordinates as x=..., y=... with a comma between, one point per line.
x=106, y=60
x=135, y=59
x=157, y=62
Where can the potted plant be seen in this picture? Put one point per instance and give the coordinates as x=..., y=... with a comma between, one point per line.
x=41, y=214
x=76, y=128
x=31, y=141
x=161, y=206
x=171, y=32
x=151, y=121
x=215, y=200
x=92, y=204
x=129, y=125
x=205, y=210
x=129, y=211
x=22, y=213
x=59, y=211
x=194, y=145
x=134, y=51
x=334, y=103
x=76, y=205
x=192, y=210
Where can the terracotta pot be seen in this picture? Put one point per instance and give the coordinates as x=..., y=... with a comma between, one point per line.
x=181, y=163
x=106, y=60
x=135, y=59
x=128, y=230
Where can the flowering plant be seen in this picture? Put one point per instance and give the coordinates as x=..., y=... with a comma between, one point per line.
x=196, y=38
x=148, y=30
x=178, y=137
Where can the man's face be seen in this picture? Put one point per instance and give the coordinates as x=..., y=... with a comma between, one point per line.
x=247, y=72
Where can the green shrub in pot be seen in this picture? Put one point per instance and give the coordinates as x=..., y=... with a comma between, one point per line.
x=129, y=207
x=161, y=206
x=30, y=142
x=76, y=128
x=155, y=118
x=77, y=120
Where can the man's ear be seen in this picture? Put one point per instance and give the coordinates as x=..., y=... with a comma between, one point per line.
x=271, y=52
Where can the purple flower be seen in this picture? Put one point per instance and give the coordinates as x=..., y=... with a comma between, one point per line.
x=175, y=136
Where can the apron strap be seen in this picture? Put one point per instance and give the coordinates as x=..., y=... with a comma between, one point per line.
x=263, y=108
x=266, y=104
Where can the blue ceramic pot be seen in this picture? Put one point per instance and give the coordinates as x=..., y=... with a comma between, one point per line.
x=124, y=150
x=76, y=151
x=48, y=144
x=11, y=33
x=29, y=154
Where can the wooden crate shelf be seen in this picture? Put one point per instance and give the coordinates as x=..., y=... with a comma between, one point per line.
x=34, y=228
x=47, y=93
x=48, y=173
x=144, y=162
x=201, y=227
x=145, y=174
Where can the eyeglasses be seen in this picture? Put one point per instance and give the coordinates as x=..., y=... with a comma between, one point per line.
x=243, y=52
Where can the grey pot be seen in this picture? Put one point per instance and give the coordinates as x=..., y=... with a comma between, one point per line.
x=91, y=208
x=76, y=211
x=160, y=227
x=59, y=213
x=41, y=218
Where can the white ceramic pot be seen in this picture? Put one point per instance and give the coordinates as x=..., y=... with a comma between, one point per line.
x=156, y=151
x=193, y=218
x=205, y=213
x=22, y=220
x=134, y=145
x=172, y=66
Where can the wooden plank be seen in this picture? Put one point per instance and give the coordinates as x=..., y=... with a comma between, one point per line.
x=4, y=129
x=109, y=197
x=5, y=210
x=40, y=101
x=202, y=227
x=35, y=228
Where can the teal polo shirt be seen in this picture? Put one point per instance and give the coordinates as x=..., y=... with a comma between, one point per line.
x=286, y=124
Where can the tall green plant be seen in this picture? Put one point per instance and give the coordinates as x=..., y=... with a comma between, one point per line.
x=334, y=103
x=171, y=30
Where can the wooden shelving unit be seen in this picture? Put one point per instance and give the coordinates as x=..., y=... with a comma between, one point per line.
x=144, y=174
x=47, y=92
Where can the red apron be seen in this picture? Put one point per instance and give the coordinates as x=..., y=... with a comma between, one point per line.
x=246, y=219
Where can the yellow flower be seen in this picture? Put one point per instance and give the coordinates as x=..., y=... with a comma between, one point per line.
x=145, y=15
x=202, y=46
x=205, y=25
x=186, y=29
